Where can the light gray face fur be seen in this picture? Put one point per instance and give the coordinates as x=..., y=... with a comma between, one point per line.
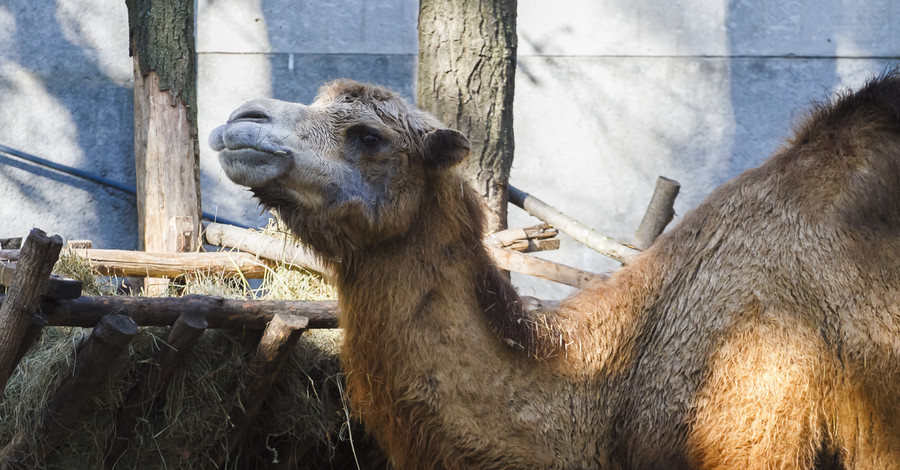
x=311, y=153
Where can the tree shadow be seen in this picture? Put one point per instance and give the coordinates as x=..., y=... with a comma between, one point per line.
x=101, y=114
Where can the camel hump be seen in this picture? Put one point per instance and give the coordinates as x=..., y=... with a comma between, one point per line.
x=843, y=163
x=877, y=102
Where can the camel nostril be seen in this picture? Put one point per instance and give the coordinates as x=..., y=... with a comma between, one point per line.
x=252, y=115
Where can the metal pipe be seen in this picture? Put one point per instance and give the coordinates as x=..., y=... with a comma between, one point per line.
x=96, y=179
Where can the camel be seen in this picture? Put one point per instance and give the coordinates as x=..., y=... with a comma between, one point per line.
x=761, y=332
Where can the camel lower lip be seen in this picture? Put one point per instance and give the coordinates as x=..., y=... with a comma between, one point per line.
x=252, y=155
x=251, y=167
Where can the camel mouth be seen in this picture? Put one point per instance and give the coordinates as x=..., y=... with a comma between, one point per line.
x=251, y=167
x=235, y=136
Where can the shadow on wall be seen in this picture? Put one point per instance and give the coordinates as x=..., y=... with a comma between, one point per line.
x=610, y=98
x=786, y=56
x=67, y=97
x=627, y=93
x=778, y=70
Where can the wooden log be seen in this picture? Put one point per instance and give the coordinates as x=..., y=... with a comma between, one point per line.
x=11, y=243
x=167, y=160
x=184, y=333
x=527, y=240
x=32, y=334
x=575, y=229
x=58, y=287
x=267, y=247
x=95, y=361
x=22, y=301
x=10, y=255
x=163, y=311
x=522, y=263
x=126, y=263
x=659, y=213
x=279, y=338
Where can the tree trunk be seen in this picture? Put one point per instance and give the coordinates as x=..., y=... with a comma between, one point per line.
x=467, y=65
x=166, y=152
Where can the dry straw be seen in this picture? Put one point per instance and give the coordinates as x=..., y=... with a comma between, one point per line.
x=304, y=413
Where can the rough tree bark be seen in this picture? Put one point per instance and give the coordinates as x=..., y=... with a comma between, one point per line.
x=166, y=151
x=467, y=64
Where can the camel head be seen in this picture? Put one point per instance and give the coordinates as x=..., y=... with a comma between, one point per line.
x=345, y=172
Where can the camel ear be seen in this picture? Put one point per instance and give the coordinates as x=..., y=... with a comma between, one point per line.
x=445, y=148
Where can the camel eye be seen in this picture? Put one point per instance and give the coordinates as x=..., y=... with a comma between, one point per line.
x=371, y=140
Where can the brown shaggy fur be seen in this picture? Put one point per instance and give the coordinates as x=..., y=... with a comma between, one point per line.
x=761, y=332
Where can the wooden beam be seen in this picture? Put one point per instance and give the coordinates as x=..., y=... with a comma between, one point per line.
x=22, y=302
x=96, y=359
x=278, y=340
x=659, y=213
x=32, y=334
x=525, y=264
x=281, y=250
x=139, y=263
x=167, y=164
x=575, y=229
x=57, y=287
x=86, y=311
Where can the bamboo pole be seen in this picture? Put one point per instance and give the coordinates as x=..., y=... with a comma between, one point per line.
x=22, y=301
x=128, y=263
x=184, y=333
x=95, y=361
x=575, y=229
x=659, y=212
x=279, y=338
x=86, y=311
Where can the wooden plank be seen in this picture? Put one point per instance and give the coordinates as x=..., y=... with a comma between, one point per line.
x=158, y=264
x=22, y=302
x=279, y=338
x=86, y=311
x=57, y=287
x=96, y=359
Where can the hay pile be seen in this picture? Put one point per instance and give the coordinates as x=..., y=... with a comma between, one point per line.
x=304, y=422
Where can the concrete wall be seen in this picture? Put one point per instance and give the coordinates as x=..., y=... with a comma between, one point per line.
x=609, y=95
x=66, y=96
